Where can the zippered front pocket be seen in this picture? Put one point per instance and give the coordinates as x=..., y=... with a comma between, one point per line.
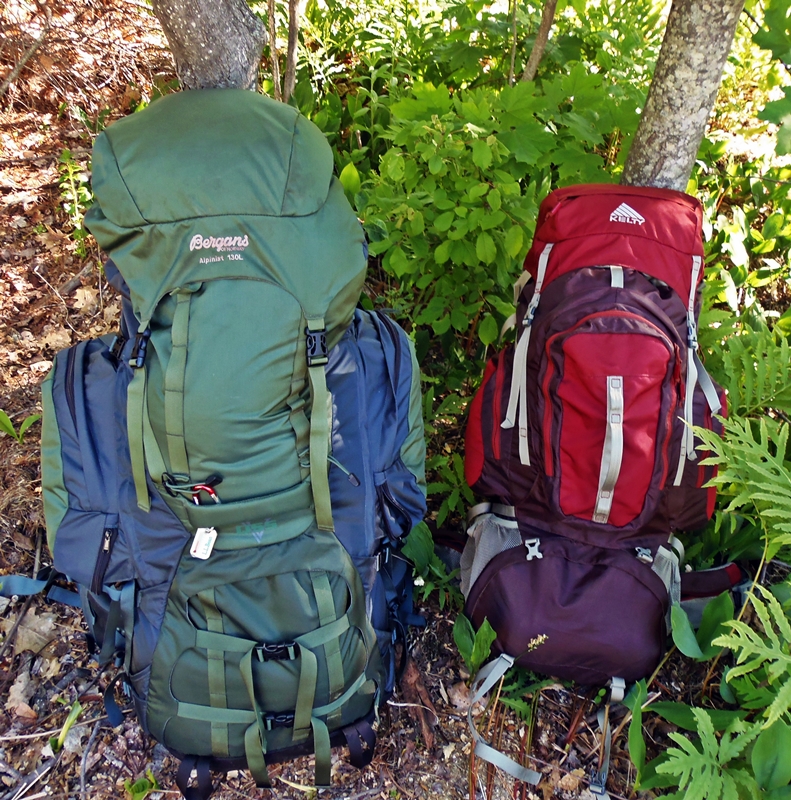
x=103, y=558
x=610, y=389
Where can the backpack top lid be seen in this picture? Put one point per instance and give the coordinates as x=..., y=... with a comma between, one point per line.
x=214, y=183
x=655, y=231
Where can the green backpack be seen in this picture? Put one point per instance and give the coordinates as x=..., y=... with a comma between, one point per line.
x=228, y=481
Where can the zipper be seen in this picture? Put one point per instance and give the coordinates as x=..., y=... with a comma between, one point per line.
x=549, y=465
x=103, y=559
x=71, y=358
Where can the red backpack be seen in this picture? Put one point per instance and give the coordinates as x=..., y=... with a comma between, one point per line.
x=580, y=437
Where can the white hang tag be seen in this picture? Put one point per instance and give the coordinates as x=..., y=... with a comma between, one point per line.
x=203, y=543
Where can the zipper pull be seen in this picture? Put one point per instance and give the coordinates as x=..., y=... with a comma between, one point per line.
x=353, y=479
x=108, y=535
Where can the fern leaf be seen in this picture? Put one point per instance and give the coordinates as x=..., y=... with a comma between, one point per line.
x=780, y=704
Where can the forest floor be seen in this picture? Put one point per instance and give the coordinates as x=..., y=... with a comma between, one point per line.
x=96, y=60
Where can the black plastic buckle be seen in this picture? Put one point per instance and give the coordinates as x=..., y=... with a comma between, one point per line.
x=278, y=721
x=318, y=353
x=117, y=346
x=281, y=651
x=138, y=356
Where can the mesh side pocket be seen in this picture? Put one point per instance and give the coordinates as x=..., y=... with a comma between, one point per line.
x=489, y=535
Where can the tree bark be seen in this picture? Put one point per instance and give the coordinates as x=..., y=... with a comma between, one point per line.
x=273, y=55
x=542, y=37
x=688, y=72
x=216, y=44
x=291, y=54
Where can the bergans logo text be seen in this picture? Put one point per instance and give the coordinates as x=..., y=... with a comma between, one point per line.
x=221, y=245
x=627, y=214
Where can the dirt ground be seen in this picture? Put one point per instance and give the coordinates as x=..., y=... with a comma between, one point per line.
x=84, y=64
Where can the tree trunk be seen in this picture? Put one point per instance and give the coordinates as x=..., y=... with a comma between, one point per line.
x=542, y=37
x=215, y=43
x=688, y=72
x=273, y=54
x=291, y=55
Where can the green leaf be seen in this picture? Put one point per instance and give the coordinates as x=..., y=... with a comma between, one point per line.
x=715, y=614
x=773, y=225
x=57, y=742
x=142, y=787
x=494, y=200
x=398, y=262
x=419, y=547
x=513, y=241
x=485, y=248
x=637, y=696
x=442, y=253
x=26, y=423
x=683, y=635
x=482, y=646
x=444, y=221
x=481, y=154
x=771, y=757
x=683, y=715
x=350, y=179
x=417, y=224
x=435, y=164
x=487, y=330
x=6, y=425
x=464, y=636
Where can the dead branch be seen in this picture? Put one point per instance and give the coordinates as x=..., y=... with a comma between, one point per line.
x=28, y=54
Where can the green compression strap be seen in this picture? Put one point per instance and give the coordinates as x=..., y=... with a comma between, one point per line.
x=154, y=460
x=135, y=396
x=319, y=435
x=332, y=650
x=174, y=384
x=306, y=693
x=215, y=665
x=323, y=751
x=255, y=735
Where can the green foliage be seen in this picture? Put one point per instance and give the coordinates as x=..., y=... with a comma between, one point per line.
x=56, y=742
x=142, y=787
x=775, y=35
x=520, y=686
x=711, y=767
x=766, y=654
x=76, y=197
x=429, y=569
x=698, y=645
x=770, y=762
x=753, y=474
x=474, y=646
x=634, y=701
x=6, y=426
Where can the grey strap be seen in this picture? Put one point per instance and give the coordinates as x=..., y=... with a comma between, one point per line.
x=612, y=453
x=517, y=400
x=616, y=277
x=707, y=385
x=598, y=781
x=486, y=678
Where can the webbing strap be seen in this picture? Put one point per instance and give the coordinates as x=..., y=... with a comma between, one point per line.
x=306, y=693
x=153, y=454
x=223, y=641
x=517, y=399
x=323, y=751
x=229, y=716
x=255, y=735
x=319, y=436
x=598, y=780
x=215, y=665
x=612, y=453
x=687, y=450
x=616, y=277
x=135, y=397
x=174, y=383
x=486, y=678
x=707, y=385
x=332, y=650
x=204, y=788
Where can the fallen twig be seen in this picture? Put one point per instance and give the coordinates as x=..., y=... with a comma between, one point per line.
x=28, y=54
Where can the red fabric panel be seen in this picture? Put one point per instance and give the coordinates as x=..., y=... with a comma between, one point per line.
x=589, y=358
x=578, y=220
x=473, y=438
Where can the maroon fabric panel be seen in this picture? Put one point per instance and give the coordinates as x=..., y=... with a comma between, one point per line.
x=575, y=596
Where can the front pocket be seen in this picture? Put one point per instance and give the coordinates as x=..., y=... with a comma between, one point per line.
x=278, y=630
x=574, y=594
x=609, y=391
x=400, y=502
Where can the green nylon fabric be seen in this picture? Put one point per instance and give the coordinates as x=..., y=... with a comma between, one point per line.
x=56, y=498
x=135, y=405
x=265, y=595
